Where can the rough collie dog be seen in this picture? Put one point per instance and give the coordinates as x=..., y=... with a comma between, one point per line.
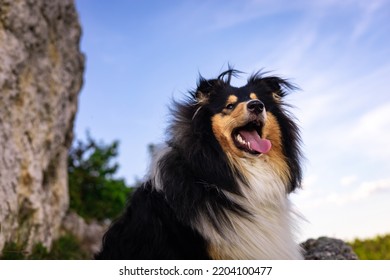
x=219, y=189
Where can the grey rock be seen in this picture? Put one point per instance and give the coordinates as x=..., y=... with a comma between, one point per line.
x=41, y=72
x=325, y=248
x=89, y=234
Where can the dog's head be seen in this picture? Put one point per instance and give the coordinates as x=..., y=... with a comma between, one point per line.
x=247, y=121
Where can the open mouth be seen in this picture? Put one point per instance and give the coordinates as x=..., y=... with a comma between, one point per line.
x=248, y=138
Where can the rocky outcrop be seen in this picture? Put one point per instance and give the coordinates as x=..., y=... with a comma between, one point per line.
x=89, y=234
x=41, y=71
x=325, y=248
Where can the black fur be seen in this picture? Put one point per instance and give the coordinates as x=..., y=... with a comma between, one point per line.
x=194, y=175
x=149, y=229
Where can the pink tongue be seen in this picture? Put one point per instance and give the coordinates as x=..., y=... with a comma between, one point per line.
x=257, y=144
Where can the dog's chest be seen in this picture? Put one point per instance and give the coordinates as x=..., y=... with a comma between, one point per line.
x=268, y=232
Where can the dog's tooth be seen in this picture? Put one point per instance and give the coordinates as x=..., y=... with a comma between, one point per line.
x=249, y=145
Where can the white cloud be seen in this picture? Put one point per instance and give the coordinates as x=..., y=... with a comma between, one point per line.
x=309, y=181
x=367, y=189
x=348, y=180
x=342, y=198
x=308, y=189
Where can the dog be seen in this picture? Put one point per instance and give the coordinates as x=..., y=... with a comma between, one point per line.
x=219, y=188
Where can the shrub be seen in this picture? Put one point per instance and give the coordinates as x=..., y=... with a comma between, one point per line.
x=94, y=192
x=377, y=248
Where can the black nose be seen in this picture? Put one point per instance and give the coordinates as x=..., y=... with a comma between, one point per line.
x=255, y=106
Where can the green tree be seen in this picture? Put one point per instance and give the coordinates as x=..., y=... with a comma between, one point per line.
x=95, y=193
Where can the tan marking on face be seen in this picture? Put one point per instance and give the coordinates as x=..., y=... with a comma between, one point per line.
x=271, y=131
x=231, y=99
x=224, y=124
x=253, y=96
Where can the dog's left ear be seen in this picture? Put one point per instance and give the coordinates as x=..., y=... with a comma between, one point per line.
x=274, y=84
x=205, y=89
x=277, y=86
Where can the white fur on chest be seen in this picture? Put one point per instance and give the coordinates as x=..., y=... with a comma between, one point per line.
x=269, y=232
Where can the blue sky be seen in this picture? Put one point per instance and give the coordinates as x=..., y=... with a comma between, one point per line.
x=140, y=54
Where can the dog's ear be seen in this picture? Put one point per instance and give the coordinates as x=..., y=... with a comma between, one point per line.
x=205, y=89
x=277, y=86
x=274, y=84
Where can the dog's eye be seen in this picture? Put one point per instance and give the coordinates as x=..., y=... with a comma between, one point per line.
x=230, y=106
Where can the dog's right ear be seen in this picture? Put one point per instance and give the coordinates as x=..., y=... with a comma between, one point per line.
x=205, y=89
